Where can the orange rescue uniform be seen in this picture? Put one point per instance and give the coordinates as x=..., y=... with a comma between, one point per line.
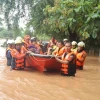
x=59, y=51
x=80, y=58
x=19, y=57
x=69, y=69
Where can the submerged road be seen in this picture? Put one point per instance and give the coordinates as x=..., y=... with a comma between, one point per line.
x=32, y=85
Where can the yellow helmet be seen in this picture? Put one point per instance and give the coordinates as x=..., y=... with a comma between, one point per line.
x=81, y=44
x=18, y=41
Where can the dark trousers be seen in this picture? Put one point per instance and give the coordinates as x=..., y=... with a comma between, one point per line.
x=8, y=62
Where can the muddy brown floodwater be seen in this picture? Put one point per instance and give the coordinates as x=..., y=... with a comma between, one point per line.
x=32, y=85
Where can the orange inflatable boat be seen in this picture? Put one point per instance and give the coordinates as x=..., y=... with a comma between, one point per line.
x=42, y=62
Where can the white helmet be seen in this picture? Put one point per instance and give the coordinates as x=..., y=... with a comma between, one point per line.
x=65, y=39
x=12, y=42
x=74, y=43
x=9, y=42
x=33, y=37
x=81, y=44
x=17, y=41
x=19, y=38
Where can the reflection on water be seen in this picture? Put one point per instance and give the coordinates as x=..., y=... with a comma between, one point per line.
x=32, y=85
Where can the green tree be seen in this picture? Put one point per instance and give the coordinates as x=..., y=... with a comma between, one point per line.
x=75, y=19
x=37, y=16
x=14, y=10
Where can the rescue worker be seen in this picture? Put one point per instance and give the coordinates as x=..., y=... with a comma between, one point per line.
x=68, y=61
x=74, y=46
x=10, y=44
x=23, y=43
x=80, y=55
x=60, y=49
x=13, y=44
x=65, y=41
x=18, y=55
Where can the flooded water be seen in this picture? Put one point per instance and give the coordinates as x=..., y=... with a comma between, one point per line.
x=32, y=85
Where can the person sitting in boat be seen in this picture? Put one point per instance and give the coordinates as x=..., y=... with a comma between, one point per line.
x=53, y=40
x=18, y=55
x=65, y=41
x=60, y=49
x=45, y=47
x=51, y=49
x=68, y=61
x=34, y=47
x=8, y=51
x=40, y=44
x=80, y=55
x=27, y=41
x=74, y=46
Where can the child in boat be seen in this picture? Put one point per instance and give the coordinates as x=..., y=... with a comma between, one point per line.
x=34, y=47
x=51, y=49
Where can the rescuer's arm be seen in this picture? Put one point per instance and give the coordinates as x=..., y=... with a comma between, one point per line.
x=65, y=62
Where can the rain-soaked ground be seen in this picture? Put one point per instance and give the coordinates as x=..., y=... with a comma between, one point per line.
x=32, y=85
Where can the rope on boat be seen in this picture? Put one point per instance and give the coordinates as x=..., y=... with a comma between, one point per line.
x=34, y=61
x=38, y=64
x=42, y=60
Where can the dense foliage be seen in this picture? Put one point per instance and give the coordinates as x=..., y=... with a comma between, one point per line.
x=76, y=19
x=73, y=19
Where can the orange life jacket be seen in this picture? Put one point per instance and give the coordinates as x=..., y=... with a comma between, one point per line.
x=59, y=51
x=80, y=58
x=19, y=57
x=69, y=69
